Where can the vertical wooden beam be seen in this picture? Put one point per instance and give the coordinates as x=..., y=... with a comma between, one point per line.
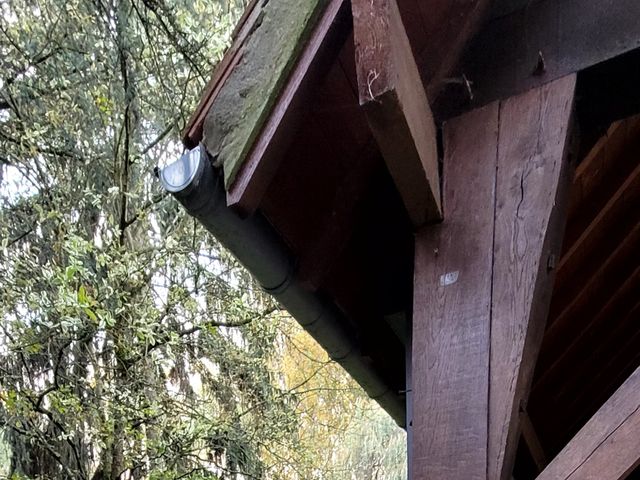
x=409, y=388
x=452, y=301
x=482, y=282
x=608, y=446
x=532, y=188
x=391, y=93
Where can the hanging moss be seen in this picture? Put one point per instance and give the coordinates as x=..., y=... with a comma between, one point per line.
x=245, y=100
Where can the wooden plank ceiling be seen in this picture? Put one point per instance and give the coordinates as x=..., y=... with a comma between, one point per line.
x=592, y=341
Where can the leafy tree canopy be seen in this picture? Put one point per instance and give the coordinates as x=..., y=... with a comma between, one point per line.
x=131, y=344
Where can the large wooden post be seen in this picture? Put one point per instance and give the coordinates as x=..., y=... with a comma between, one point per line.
x=482, y=282
x=452, y=306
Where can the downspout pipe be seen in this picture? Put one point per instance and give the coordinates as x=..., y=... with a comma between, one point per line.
x=199, y=187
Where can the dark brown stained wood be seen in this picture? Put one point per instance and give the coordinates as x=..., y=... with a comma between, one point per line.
x=533, y=178
x=349, y=140
x=589, y=304
x=617, y=352
x=600, y=285
x=572, y=35
x=533, y=442
x=598, y=177
x=452, y=300
x=327, y=168
x=601, y=288
x=622, y=362
x=607, y=447
x=601, y=173
x=325, y=250
x=448, y=26
x=347, y=61
x=606, y=231
x=263, y=160
x=412, y=20
x=571, y=391
x=391, y=92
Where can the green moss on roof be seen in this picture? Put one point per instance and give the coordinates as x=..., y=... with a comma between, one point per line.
x=244, y=102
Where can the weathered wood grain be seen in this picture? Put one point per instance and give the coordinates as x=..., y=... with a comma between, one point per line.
x=572, y=35
x=251, y=172
x=448, y=27
x=391, y=93
x=483, y=283
x=533, y=179
x=452, y=300
x=607, y=447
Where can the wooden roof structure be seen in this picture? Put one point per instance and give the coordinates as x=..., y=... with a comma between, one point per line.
x=462, y=181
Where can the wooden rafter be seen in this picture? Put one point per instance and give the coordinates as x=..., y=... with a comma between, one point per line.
x=392, y=95
x=618, y=353
x=603, y=272
x=607, y=446
x=602, y=257
x=600, y=173
x=596, y=294
x=612, y=214
x=451, y=313
x=594, y=312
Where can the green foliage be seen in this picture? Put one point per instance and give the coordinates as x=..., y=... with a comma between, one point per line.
x=131, y=344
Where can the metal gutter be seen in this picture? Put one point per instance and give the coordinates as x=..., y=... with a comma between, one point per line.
x=199, y=187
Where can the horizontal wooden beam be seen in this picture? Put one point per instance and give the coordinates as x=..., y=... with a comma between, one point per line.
x=448, y=27
x=546, y=40
x=607, y=446
x=393, y=97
